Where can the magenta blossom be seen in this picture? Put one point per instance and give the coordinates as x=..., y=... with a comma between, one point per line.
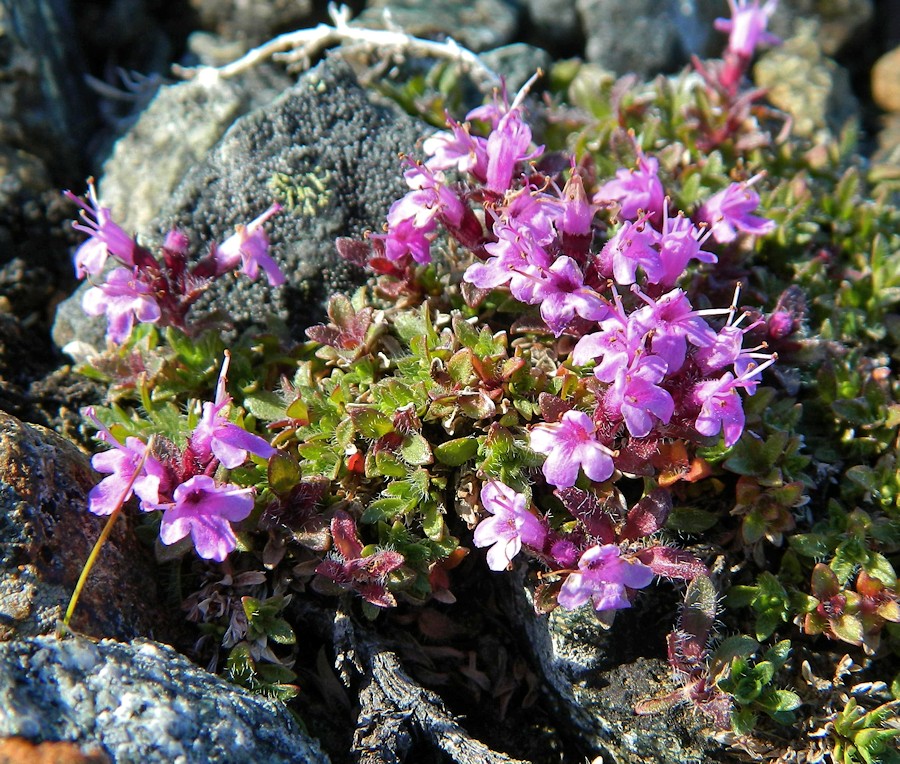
x=729, y=213
x=636, y=191
x=457, y=149
x=249, y=246
x=123, y=298
x=130, y=468
x=205, y=510
x=571, y=444
x=510, y=525
x=602, y=576
x=633, y=245
x=720, y=403
x=636, y=397
x=106, y=237
x=562, y=294
x=215, y=436
x=746, y=28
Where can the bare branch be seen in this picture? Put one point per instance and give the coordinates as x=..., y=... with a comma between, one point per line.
x=305, y=44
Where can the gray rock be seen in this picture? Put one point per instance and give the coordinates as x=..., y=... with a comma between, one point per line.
x=325, y=150
x=252, y=22
x=554, y=21
x=595, y=681
x=517, y=63
x=46, y=534
x=638, y=36
x=141, y=702
x=176, y=132
x=479, y=25
x=814, y=90
x=838, y=22
x=44, y=103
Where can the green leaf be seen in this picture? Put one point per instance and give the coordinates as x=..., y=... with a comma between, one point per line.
x=878, y=567
x=416, y=450
x=280, y=631
x=369, y=421
x=691, y=520
x=265, y=406
x=780, y=700
x=456, y=452
x=283, y=472
x=743, y=721
x=433, y=522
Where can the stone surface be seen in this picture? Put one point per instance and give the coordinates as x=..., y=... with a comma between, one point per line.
x=46, y=534
x=17, y=750
x=141, y=702
x=517, y=63
x=252, y=22
x=326, y=132
x=45, y=106
x=886, y=81
x=811, y=88
x=625, y=36
x=479, y=25
x=839, y=23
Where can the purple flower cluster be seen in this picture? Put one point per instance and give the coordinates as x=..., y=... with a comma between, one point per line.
x=182, y=486
x=158, y=291
x=660, y=368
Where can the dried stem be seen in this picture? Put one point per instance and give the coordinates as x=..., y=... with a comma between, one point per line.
x=104, y=535
x=304, y=44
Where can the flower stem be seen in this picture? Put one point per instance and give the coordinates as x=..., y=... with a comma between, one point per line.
x=104, y=535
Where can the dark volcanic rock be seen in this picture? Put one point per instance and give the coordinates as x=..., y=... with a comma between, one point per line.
x=141, y=702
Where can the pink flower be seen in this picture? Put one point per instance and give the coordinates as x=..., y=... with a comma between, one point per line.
x=249, y=246
x=571, y=444
x=457, y=149
x=671, y=322
x=205, y=511
x=562, y=294
x=680, y=243
x=720, y=404
x=746, y=28
x=517, y=259
x=578, y=213
x=122, y=298
x=507, y=148
x=216, y=436
x=510, y=525
x=106, y=238
x=636, y=191
x=130, y=468
x=633, y=245
x=729, y=212
x=602, y=576
x=636, y=397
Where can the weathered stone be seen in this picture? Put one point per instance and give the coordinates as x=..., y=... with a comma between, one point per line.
x=254, y=21
x=838, y=22
x=479, y=25
x=886, y=81
x=328, y=153
x=44, y=102
x=813, y=89
x=517, y=63
x=638, y=36
x=141, y=702
x=46, y=534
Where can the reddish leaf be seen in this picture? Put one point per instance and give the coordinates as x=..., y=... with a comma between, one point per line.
x=588, y=508
x=647, y=516
x=552, y=408
x=343, y=532
x=672, y=563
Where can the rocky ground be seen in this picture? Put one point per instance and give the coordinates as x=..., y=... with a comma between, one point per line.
x=87, y=89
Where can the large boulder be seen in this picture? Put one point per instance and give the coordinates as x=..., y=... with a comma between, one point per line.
x=141, y=702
